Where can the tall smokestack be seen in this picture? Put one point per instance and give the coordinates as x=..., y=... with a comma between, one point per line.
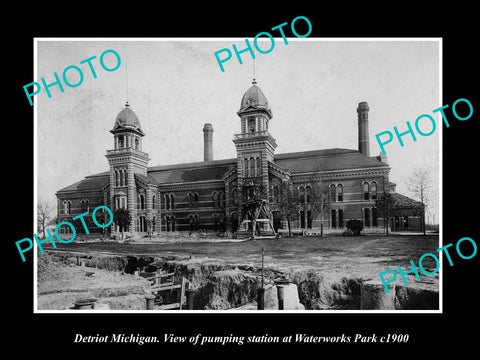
x=363, y=138
x=207, y=142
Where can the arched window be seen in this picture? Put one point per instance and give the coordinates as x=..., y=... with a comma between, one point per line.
x=309, y=219
x=153, y=202
x=374, y=216
x=252, y=167
x=245, y=167
x=366, y=191
x=86, y=206
x=340, y=218
x=276, y=197
x=373, y=189
x=190, y=222
x=121, y=143
x=167, y=223
x=137, y=144
x=117, y=178
x=221, y=199
x=339, y=192
x=215, y=199
x=309, y=194
x=141, y=199
x=67, y=207
x=251, y=124
x=172, y=202
x=334, y=219
x=167, y=202
x=366, y=216
x=333, y=192
x=142, y=224
x=301, y=192
x=195, y=200
x=234, y=197
x=125, y=179
x=258, y=165
x=190, y=200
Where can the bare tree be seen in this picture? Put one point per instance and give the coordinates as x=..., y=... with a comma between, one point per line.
x=287, y=203
x=386, y=205
x=420, y=187
x=319, y=197
x=44, y=215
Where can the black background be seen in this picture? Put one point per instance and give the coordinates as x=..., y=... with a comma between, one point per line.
x=430, y=334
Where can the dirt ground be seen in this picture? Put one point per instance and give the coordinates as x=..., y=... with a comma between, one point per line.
x=60, y=284
x=361, y=256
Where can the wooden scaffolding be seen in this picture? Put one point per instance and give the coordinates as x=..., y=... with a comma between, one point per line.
x=255, y=217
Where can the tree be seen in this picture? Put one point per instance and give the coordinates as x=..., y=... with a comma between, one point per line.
x=420, y=187
x=122, y=218
x=287, y=203
x=386, y=205
x=319, y=197
x=44, y=215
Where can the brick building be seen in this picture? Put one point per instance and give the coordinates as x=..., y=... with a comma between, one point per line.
x=209, y=194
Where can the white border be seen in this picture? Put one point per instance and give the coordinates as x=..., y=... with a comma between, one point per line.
x=307, y=312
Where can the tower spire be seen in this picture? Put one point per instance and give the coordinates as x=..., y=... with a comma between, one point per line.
x=254, y=82
x=126, y=85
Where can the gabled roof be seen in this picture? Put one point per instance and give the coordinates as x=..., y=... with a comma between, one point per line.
x=404, y=201
x=191, y=172
x=295, y=162
x=146, y=179
x=326, y=160
x=91, y=182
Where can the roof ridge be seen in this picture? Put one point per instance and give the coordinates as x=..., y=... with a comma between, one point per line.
x=200, y=164
x=330, y=151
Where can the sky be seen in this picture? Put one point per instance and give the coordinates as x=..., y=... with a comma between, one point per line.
x=175, y=86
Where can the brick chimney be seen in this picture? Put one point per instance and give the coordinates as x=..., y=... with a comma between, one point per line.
x=363, y=138
x=207, y=142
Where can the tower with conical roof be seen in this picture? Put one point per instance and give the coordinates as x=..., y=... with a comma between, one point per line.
x=254, y=144
x=126, y=159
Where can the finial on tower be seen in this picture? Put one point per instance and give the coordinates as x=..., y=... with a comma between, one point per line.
x=126, y=85
x=254, y=82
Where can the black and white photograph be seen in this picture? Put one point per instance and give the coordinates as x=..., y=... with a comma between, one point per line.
x=249, y=183
x=261, y=188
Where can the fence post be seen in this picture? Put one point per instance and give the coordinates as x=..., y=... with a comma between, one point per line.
x=281, y=297
x=189, y=295
x=150, y=298
x=260, y=299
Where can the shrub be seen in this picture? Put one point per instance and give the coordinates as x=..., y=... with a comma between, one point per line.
x=356, y=226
